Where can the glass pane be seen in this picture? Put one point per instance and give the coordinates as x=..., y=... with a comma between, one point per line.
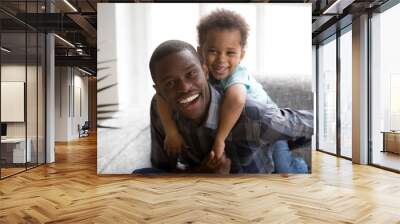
x=346, y=94
x=327, y=97
x=23, y=107
x=13, y=86
x=386, y=89
x=31, y=101
x=41, y=98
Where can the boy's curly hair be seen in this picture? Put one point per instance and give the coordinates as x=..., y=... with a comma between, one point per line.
x=223, y=19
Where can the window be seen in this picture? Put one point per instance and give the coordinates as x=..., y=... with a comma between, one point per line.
x=327, y=96
x=385, y=88
x=346, y=94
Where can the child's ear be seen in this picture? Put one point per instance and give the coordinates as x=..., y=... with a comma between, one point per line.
x=200, y=51
x=242, y=54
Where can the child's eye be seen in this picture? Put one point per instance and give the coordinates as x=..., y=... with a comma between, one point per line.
x=212, y=51
x=231, y=53
x=191, y=74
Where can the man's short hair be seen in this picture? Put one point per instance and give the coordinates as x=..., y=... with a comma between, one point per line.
x=166, y=48
x=225, y=20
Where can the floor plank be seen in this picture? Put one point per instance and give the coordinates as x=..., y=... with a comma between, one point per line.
x=70, y=191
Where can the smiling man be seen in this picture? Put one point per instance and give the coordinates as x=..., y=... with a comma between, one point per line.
x=181, y=81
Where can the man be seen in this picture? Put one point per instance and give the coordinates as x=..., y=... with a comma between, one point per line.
x=180, y=79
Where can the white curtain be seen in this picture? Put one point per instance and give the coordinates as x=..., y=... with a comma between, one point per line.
x=279, y=42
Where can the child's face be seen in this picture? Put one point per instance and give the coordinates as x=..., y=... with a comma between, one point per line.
x=222, y=52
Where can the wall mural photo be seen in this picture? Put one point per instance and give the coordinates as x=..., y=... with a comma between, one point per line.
x=204, y=88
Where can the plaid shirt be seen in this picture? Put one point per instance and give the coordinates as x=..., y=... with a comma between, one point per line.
x=248, y=144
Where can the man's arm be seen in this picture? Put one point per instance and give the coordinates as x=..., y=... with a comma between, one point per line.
x=161, y=160
x=159, y=157
x=173, y=141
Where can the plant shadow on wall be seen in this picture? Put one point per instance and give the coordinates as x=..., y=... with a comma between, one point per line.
x=105, y=111
x=123, y=141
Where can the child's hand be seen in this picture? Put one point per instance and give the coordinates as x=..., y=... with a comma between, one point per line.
x=174, y=144
x=218, y=148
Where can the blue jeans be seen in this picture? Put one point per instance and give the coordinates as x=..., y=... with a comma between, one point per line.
x=148, y=171
x=284, y=160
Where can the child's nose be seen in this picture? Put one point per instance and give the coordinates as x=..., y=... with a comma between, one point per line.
x=221, y=57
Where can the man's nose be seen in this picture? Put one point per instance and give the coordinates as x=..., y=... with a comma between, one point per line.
x=184, y=86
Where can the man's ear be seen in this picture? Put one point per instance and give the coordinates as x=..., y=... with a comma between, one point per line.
x=242, y=54
x=158, y=91
x=156, y=88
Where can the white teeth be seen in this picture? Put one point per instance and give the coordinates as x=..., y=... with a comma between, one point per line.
x=189, y=99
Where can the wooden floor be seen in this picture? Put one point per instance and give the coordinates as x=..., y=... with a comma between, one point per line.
x=10, y=171
x=70, y=191
x=387, y=159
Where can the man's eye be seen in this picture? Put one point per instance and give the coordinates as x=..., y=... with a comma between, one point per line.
x=170, y=84
x=231, y=53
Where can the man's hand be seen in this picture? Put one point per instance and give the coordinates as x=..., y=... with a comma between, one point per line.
x=174, y=144
x=220, y=166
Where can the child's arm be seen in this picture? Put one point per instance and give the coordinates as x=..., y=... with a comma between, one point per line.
x=232, y=106
x=173, y=142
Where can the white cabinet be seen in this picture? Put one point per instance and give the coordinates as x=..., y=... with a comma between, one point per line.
x=17, y=146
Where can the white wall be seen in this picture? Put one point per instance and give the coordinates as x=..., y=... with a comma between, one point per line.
x=82, y=83
x=12, y=73
x=33, y=126
x=61, y=103
x=81, y=103
x=67, y=115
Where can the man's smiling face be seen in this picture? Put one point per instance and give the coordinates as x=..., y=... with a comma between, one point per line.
x=181, y=81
